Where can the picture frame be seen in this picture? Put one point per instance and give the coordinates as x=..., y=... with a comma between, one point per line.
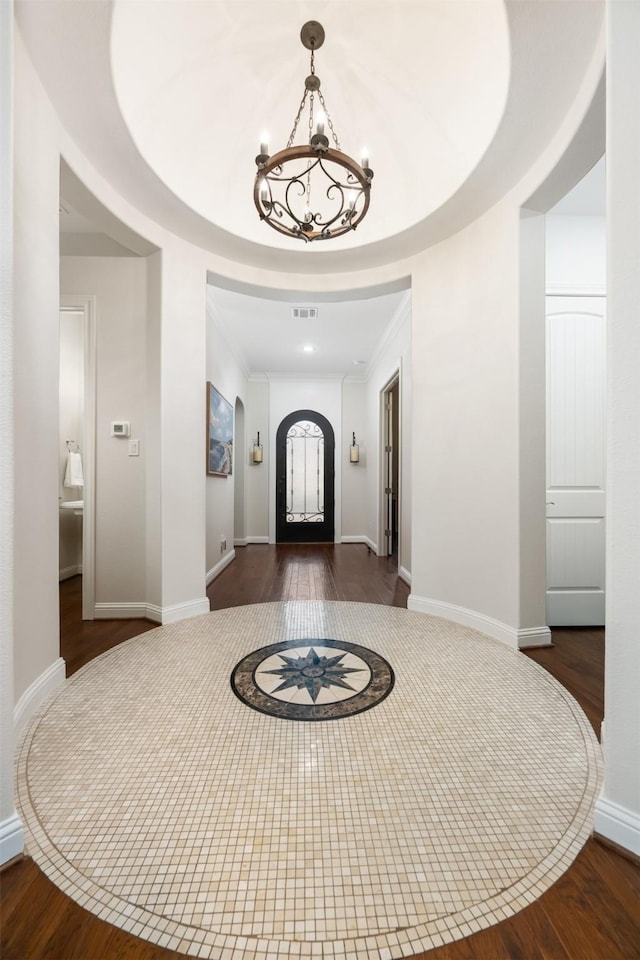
x=219, y=434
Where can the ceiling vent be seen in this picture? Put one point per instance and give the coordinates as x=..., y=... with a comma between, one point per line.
x=304, y=313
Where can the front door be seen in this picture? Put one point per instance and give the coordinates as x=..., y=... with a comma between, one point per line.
x=575, y=461
x=305, y=450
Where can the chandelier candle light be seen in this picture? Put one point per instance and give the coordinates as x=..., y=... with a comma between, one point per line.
x=312, y=191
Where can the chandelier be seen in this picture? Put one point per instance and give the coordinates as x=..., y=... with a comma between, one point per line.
x=312, y=191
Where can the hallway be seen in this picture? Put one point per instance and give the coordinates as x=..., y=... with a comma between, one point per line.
x=564, y=922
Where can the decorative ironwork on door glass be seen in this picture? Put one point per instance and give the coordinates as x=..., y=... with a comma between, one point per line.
x=305, y=473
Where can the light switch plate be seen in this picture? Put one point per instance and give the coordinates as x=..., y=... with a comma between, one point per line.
x=134, y=448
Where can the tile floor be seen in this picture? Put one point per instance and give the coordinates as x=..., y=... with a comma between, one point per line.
x=161, y=802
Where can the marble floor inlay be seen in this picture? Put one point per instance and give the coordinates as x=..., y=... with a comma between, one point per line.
x=316, y=680
x=156, y=799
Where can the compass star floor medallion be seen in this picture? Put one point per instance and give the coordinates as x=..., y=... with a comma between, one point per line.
x=312, y=679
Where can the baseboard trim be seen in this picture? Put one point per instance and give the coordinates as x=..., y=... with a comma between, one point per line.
x=617, y=825
x=220, y=566
x=71, y=571
x=240, y=542
x=258, y=540
x=178, y=611
x=534, y=637
x=11, y=838
x=120, y=611
x=405, y=575
x=355, y=539
x=36, y=694
x=477, y=621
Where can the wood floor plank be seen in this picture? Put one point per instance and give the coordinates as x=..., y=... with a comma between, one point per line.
x=591, y=913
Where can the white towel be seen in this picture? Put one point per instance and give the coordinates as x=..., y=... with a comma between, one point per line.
x=73, y=476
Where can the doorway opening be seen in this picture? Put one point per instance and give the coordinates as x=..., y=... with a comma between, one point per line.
x=305, y=479
x=77, y=443
x=390, y=502
x=239, y=468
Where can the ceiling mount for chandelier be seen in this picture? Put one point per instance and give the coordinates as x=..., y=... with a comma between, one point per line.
x=312, y=191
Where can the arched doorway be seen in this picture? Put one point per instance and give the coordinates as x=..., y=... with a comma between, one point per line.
x=305, y=455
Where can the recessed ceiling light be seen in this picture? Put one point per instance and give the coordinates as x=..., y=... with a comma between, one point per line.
x=308, y=348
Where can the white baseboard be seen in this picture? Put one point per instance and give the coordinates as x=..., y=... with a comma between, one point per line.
x=514, y=638
x=70, y=571
x=534, y=637
x=11, y=838
x=120, y=611
x=151, y=611
x=258, y=540
x=355, y=539
x=36, y=694
x=405, y=575
x=220, y=566
x=617, y=824
x=240, y=542
x=179, y=611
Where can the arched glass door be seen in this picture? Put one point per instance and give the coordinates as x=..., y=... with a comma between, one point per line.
x=305, y=479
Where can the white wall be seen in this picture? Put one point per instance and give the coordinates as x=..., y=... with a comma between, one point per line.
x=71, y=428
x=36, y=325
x=120, y=288
x=322, y=396
x=226, y=374
x=257, y=476
x=576, y=254
x=355, y=477
x=393, y=356
x=618, y=809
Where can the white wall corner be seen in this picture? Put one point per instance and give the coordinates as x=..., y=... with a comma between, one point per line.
x=405, y=575
x=36, y=694
x=182, y=611
x=466, y=618
x=534, y=637
x=219, y=567
x=11, y=838
x=617, y=824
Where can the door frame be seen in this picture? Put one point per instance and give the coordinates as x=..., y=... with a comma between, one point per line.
x=383, y=541
x=82, y=303
x=329, y=472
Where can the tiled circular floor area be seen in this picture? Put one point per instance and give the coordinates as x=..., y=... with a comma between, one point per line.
x=158, y=800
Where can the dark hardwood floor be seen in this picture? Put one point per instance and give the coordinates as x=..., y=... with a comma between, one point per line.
x=591, y=913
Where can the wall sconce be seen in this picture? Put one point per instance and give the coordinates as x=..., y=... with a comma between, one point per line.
x=256, y=453
x=354, y=451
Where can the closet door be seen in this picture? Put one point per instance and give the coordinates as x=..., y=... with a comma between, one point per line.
x=575, y=461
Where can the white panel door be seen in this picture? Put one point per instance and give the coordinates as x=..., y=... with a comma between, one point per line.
x=575, y=460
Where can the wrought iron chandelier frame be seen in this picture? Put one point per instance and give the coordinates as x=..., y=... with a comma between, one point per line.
x=288, y=182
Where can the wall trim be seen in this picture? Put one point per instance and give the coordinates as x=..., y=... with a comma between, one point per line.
x=120, y=611
x=240, y=542
x=617, y=824
x=71, y=571
x=571, y=290
x=515, y=638
x=11, y=838
x=355, y=538
x=534, y=637
x=37, y=693
x=405, y=575
x=182, y=611
x=217, y=569
x=258, y=540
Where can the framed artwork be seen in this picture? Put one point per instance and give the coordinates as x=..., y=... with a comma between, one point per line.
x=219, y=434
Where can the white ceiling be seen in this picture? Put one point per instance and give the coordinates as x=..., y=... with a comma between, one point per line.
x=345, y=336
x=455, y=99
x=588, y=198
x=198, y=92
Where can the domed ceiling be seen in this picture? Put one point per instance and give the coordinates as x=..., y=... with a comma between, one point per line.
x=421, y=85
x=167, y=101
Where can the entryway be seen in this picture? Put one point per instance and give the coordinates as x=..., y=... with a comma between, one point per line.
x=305, y=479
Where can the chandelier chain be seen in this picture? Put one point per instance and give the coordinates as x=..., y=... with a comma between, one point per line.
x=329, y=120
x=297, y=119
